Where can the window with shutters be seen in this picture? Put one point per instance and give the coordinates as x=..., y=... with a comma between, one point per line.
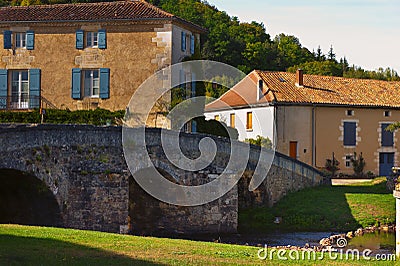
x=19, y=89
x=90, y=83
x=19, y=40
x=349, y=133
x=91, y=39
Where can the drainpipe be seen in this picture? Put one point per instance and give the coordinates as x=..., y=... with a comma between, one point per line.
x=313, y=149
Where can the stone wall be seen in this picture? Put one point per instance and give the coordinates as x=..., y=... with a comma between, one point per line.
x=286, y=175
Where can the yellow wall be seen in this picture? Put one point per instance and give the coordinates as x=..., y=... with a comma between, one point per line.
x=293, y=123
x=328, y=136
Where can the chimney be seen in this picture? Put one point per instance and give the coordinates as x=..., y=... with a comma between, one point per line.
x=299, y=78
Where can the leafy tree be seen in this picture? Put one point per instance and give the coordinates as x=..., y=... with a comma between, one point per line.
x=260, y=141
x=325, y=68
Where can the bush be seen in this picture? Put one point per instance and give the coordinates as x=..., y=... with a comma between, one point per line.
x=332, y=165
x=215, y=127
x=55, y=116
x=260, y=141
x=358, y=164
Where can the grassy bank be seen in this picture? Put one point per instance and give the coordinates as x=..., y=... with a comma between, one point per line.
x=337, y=208
x=23, y=245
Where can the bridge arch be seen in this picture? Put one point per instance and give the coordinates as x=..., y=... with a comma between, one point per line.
x=25, y=199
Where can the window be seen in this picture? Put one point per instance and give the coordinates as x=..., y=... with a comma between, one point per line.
x=249, y=121
x=91, y=83
x=183, y=41
x=349, y=134
x=91, y=39
x=386, y=113
x=232, y=120
x=20, y=40
x=386, y=136
x=19, y=89
x=348, y=159
x=350, y=112
x=217, y=117
x=192, y=44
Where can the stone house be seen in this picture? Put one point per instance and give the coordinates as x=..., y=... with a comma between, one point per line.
x=89, y=55
x=310, y=117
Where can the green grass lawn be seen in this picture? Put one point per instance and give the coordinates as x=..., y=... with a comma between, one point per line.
x=336, y=208
x=27, y=245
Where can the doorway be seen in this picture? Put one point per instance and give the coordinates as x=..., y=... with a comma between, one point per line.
x=293, y=149
x=386, y=162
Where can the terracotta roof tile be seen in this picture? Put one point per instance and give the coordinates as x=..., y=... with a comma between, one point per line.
x=99, y=11
x=319, y=90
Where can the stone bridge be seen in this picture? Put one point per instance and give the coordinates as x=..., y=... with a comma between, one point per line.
x=85, y=169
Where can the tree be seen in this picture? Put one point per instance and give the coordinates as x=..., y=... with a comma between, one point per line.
x=332, y=165
x=358, y=164
x=260, y=141
x=325, y=68
x=331, y=54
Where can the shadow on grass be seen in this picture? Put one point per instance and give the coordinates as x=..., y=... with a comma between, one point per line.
x=17, y=250
x=329, y=208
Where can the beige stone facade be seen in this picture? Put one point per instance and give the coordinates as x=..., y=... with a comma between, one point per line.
x=135, y=49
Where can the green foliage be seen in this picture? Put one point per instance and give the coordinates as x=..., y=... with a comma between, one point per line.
x=332, y=165
x=324, y=68
x=216, y=128
x=358, y=164
x=260, y=141
x=94, y=117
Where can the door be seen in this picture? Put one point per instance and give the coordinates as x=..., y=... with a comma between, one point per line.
x=386, y=162
x=19, y=89
x=293, y=149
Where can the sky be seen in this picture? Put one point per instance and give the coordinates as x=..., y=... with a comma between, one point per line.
x=366, y=32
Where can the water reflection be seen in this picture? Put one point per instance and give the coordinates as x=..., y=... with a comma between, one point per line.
x=380, y=241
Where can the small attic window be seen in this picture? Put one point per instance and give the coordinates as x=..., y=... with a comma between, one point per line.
x=387, y=113
x=350, y=112
x=282, y=79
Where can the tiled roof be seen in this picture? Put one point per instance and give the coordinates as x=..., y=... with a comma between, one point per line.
x=99, y=11
x=280, y=88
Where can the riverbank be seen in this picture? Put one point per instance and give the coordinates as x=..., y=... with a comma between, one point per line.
x=31, y=245
x=340, y=208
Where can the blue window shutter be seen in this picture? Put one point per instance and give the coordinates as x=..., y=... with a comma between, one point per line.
x=192, y=44
x=3, y=88
x=102, y=39
x=30, y=40
x=76, y=83
x=193, y=85
x=183, y=41
x=104, y=83
x=79, y=39
x=387, y=136
x=7, y=39
x=34, y=88
x=349, y=133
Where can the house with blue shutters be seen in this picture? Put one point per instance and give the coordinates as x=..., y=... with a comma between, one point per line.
x=312, y=118
x=89, y=55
